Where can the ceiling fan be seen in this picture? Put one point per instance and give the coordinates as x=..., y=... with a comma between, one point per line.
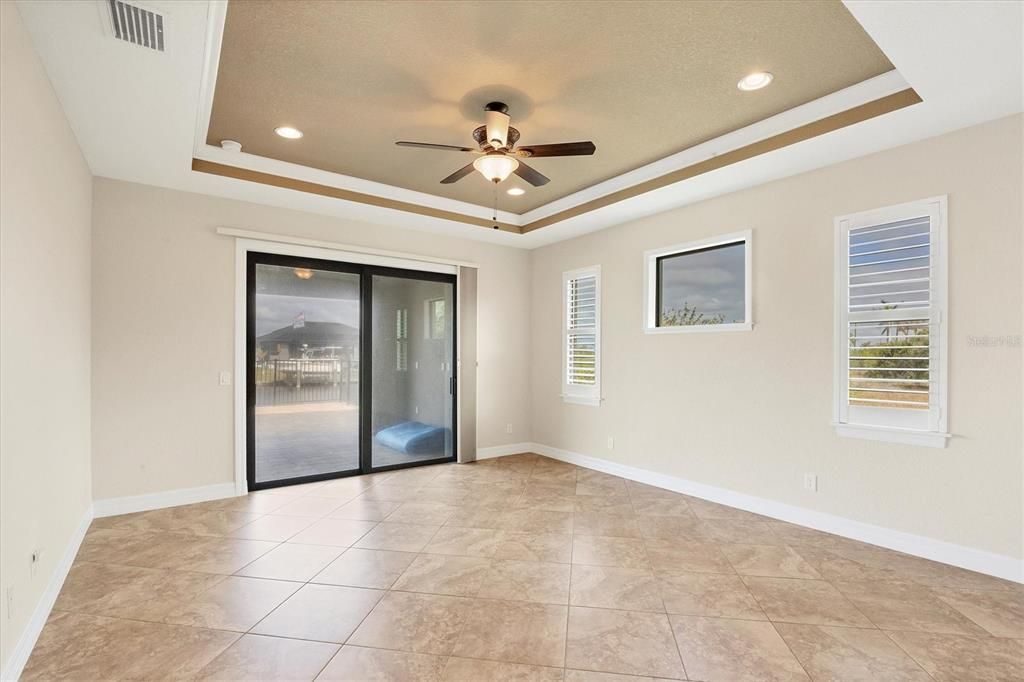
x=498, y=155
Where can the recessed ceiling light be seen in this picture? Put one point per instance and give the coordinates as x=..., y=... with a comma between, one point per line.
x=288, y=132
x=755, y=81
x=516, y=191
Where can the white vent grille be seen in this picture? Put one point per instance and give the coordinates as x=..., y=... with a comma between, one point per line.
x=136, y=25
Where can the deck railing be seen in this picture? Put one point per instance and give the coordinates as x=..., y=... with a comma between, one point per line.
x=290, y=382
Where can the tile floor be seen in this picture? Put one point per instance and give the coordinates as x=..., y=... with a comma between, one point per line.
x=518, y=568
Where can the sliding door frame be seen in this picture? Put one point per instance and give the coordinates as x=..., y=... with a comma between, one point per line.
x=312, y=250
x=366, y=322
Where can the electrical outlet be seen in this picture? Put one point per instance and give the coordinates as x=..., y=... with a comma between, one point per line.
x=611, y=443
x=811, y=482
x=508, y=428
x=224, y=378
x=34, y=561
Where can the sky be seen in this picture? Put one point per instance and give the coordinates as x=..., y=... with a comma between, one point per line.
x=711, y=281
x=276, y=311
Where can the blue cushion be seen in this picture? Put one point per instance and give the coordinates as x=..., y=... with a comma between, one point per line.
x=414, y=438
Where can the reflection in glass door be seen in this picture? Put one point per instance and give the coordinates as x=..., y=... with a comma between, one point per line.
x=303, y=392
x=412, y=384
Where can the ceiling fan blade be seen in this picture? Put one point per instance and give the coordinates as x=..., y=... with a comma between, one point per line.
x=430, y=145
x=458, y=175
x=531, y=175
x=561, y=149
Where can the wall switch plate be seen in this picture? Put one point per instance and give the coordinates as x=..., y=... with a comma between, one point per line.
x=611, y=443
x=811, y=482
x=224, y=378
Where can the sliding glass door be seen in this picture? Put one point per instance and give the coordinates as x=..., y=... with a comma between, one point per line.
x=350, y=369
x=411, y=368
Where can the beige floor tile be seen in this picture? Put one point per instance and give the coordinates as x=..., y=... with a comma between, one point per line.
x=425, y=513
x=232, y=604
x=398, y=537
x=345, y=488
x=626, y=642
x=81, y=647
x=212, y=555
x=600, y=486
x=258, y=502
x=334, y=532
x=381, y=665
x=849, y=654
x=607, y=525
x=675, y=528
x=475, y=670
x=662, y=506
x=477, y=517
x=184, y=519
x=257, y=658
x=643, y=491
x=906, y=606
x=593, y=550
x=620, y=505
x=391, y=493
x=709, y=594
x=526, y=581
x=443, y=574
x=959, y=658
x=556, y=500
x=729, y=650
x=273, y=528
x=364, y=510
x=129, y=591
x=307, y=505
x=751, y=532
x=518, y=546
x=812, y=602
x=704, y=509
x=421, y=623
x=514, y=632
x=609, y=587
x=1000, y=613
x=527, y=520
x=291, y=562
x=373, y=568
x=589, y=676
x=481, y=542
x=776, y=561
x=672, y=556
x=325, y=613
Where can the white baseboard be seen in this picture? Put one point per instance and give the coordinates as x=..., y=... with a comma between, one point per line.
x=989, y=563
x=167, y=498
x=27, y=640
x=504, y=450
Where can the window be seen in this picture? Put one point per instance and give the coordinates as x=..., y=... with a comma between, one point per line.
x=890, y=337
x=402, y=339
x=581, y=373
x=700, y=286
x=434, y=319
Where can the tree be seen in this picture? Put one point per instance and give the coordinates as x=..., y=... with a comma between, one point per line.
x=674, y=317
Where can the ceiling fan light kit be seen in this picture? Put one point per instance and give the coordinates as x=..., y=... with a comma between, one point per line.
x=499, y=157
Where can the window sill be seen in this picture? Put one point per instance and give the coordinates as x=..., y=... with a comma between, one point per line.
x=696, y=328
x=581, y=400
x=930, y=439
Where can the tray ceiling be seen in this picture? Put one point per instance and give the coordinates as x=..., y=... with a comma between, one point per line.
x=643, y=80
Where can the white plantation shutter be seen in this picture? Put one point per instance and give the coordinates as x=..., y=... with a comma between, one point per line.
x=582, y=336
x=890, y=301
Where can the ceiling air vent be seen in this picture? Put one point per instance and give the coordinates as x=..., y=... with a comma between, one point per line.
x=133, y=24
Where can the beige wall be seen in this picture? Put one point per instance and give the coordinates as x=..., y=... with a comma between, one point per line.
x=163, y=321
x=751, y=411
x=44, y=342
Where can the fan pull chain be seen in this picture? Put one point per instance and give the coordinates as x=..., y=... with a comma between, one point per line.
x=495, y=226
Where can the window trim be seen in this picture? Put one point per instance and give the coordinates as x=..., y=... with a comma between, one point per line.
x=937, y=434
x=651, y=297
x=576, y=393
